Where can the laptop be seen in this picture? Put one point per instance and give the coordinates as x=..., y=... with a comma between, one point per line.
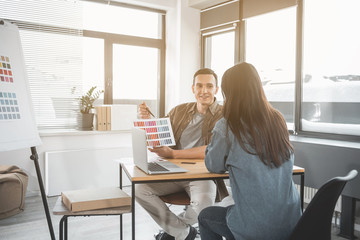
x=149, y=162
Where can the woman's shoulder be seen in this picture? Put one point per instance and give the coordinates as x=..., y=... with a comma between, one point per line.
x=220, y=124
x=221, y=127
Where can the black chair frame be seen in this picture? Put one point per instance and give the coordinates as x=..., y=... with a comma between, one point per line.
x=315, y=223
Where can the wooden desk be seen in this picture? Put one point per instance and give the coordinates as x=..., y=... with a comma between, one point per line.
x=197, y=171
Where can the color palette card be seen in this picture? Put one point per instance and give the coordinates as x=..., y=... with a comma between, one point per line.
x=6, y=75
x=158, y=131
x=9, y=108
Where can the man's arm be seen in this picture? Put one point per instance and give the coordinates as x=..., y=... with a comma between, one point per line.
x=166, y=152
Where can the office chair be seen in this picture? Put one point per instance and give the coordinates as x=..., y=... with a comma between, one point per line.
x=178, y=198
x=315, y=223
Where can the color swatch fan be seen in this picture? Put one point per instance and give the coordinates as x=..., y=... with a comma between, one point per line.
x=158, y=131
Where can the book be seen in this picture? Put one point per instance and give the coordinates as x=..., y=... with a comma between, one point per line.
x=92, y=199
x=104, y=120
x=99, y=118
x=108, y=117
x=115, y=116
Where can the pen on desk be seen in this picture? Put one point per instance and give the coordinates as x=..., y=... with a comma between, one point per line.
x=147, y=109
x=187, y=163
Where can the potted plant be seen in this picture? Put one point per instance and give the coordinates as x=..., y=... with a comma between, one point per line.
x=86, y=105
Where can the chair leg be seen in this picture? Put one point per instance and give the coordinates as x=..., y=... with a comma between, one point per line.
x=66, y=228
x=347, y=217
x=63, y=228
x=336, y=219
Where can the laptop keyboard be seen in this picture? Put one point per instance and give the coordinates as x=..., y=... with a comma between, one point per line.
x=154, y=167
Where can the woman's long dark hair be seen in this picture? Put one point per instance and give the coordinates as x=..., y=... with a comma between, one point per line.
x=255, y=123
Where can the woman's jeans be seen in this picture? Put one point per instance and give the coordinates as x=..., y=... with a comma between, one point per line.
x=212, y=224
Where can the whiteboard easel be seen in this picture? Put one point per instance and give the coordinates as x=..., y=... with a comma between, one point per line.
x=17, y=123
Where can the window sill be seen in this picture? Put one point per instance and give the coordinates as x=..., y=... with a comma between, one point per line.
x=77, y=132
x=327, y=142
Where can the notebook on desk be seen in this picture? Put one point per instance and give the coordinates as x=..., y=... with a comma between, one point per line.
x=150, y=164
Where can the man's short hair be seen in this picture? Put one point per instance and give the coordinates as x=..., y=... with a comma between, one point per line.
x=206, y=71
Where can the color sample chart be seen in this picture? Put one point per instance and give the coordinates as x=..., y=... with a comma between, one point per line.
x=17, y=121
x=158, y=131
x=6, y=75
x=9, y=108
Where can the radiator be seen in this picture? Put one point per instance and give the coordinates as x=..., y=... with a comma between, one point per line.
x=309, y=193
x=83, y=169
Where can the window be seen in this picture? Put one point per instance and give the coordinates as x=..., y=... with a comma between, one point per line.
x=307, y=58
x=270, y=47
x=53, y=75
x=331, y=73
x=136, y=77
x=93, y=63
x=120, y=20
x=220, y=54
x=70, y=46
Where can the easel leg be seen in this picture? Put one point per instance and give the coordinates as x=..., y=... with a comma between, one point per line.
x=35, y=158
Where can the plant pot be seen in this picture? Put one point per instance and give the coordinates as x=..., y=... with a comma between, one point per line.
x=87, y=121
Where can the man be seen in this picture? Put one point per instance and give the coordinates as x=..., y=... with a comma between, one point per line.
x=192, y=124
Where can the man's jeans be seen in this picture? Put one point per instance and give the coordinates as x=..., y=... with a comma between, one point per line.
x=212, y=224
x=202, y=195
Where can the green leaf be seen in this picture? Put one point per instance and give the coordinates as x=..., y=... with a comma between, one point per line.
x=87, y=100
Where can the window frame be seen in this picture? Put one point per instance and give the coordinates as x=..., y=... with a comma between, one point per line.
x=299, y=86
x=232, y=27
x=240, y=54
x=109, y=40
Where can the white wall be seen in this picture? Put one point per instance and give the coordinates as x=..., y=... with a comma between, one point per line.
x=65, y=142
x=183, y=49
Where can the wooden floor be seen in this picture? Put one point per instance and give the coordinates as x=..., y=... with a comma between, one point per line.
x=32, y=224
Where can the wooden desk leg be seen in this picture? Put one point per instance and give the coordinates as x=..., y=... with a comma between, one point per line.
x=133, y=210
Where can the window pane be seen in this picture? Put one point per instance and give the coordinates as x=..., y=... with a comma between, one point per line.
x=120, y=20
x=270, y=47
x=61, y=64
x=219, y=55
x=53, y=64
x=331, y=79
x=93, y=64
x=136, y=74
x=57, y=13
x=53, y=57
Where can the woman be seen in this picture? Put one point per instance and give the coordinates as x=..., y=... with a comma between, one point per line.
x=251, y=142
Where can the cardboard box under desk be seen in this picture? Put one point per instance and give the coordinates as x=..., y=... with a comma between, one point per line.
x=91, y=199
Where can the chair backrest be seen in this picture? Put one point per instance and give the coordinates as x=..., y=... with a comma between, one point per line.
x=315, y=223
